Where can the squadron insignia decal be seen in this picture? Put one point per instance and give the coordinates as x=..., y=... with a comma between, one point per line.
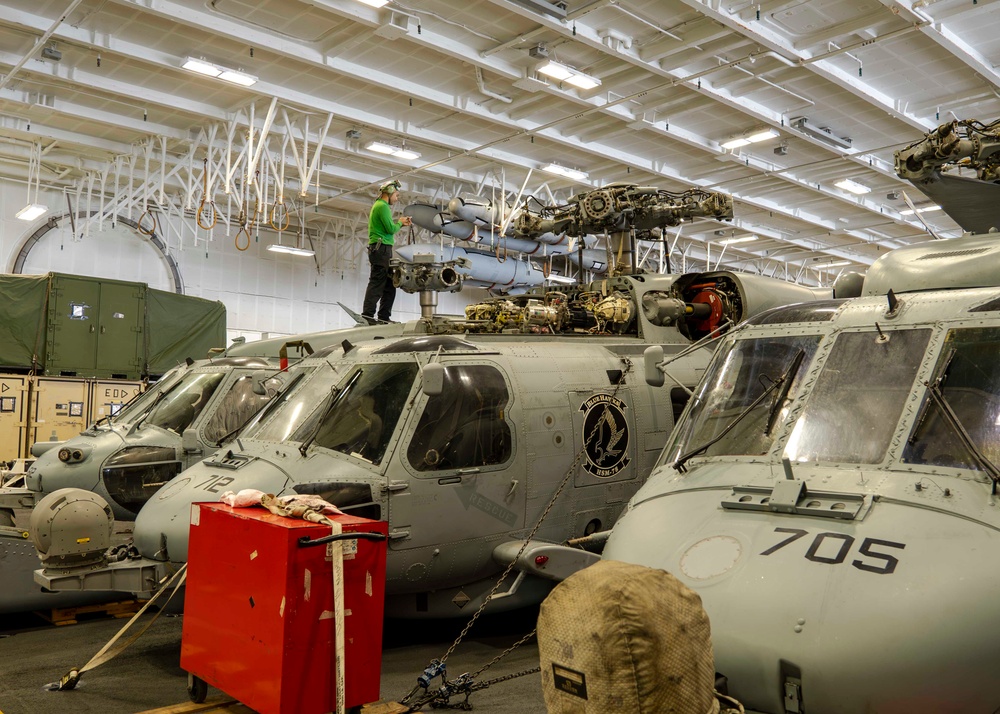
x=605, y=435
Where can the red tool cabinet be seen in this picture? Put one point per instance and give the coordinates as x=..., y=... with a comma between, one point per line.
x=259, y=614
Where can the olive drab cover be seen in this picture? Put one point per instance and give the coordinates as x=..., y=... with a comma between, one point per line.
x=69, y=325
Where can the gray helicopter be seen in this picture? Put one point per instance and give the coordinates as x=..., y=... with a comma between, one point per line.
x=461, y=433
x=127, y=456
x=831, y=490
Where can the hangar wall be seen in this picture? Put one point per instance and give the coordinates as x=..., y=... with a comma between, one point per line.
x=264, y=292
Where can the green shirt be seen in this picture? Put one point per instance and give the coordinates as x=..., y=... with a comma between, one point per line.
x=381, y=227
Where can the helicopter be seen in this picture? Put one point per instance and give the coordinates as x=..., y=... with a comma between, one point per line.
x=127, y=456
x=830, y=491
x=172, y=425
x=460, y=431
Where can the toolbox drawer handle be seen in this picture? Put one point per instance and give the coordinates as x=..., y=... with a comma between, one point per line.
x=305, y=542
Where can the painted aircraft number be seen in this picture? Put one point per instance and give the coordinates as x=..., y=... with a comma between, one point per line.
x=843, y=543
x=215, y=484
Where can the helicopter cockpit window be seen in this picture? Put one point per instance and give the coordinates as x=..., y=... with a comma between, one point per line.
x=363, y=414
x=854, y=407
x=464, y=426
x=182, y=404
x=970, y=386
x=281, y=417
x=238, y=406
x=738, y=379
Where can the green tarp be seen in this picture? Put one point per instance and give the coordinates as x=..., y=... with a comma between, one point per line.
x=173, y=327
x=22, y=320
x=179, y=326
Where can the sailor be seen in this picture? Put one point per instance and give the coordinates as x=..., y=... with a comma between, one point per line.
x=381, y=237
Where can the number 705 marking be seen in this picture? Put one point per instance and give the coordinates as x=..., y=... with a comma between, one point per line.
x=886, y=567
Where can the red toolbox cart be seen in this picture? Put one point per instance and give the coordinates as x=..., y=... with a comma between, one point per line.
x=259, y=611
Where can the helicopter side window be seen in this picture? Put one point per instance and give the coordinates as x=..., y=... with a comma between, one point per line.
x=363, y=416
x=854, y=407
x=970, y=385
x=182, y=405
x=464, y=426
x=736, y=382
x=237, y=406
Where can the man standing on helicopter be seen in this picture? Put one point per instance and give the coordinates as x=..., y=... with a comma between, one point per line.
x=381, y=237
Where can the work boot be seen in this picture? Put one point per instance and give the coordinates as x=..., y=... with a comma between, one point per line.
x=369, y=319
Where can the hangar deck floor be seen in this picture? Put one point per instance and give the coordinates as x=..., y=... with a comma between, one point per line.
x=148, y=676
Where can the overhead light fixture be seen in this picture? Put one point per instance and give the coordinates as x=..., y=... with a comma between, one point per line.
x=201, y=67
x=209, y=69
x=925, y=209
x=236, y=77
x=565, y=73
x=742, y=239
x=381, y=147
x=751, y=137
x=32, y=211
x=838, y=264
x=853, y=186
x=555, y=70
x=374, y=3
x=821, y=132
x=291, y=250
x=583, y=81
x=574, y=174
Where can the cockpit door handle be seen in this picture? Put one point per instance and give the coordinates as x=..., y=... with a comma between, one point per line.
x=397, y=486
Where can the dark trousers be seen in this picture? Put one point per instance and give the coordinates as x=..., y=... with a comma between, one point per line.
x=380, y=288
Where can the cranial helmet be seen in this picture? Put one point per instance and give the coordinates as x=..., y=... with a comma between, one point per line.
x=390, y=187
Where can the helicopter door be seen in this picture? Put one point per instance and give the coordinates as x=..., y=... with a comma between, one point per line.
x=460, y=454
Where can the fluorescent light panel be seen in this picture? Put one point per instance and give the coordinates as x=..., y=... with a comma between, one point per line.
x=201, y=67
x=382, y=148
x=741, y=239
x=583, y=81
x=374, y=3
x=241, y=78
x=754, y=136
x=291, y=250
x=838, y=264
x=564, y=73
x=555, y=70
x=925, y=209
x=574, y=174
x=32, y=211
x=406, y=154
x=854, y=187
x=212, y=70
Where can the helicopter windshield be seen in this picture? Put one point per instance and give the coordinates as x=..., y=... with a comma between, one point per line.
x=858, y=398
x=134, y=409
x=185, y=401
x=736, y=381
x=294, y=404
x=238, y=406
x=362, y=420
x=970, y=384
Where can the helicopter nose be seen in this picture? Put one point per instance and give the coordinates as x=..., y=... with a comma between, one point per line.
x=50, y=473
x=161, y=528
x=846, y=614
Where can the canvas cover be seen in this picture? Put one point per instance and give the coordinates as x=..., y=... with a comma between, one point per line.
x=181, y=326
x=22, y=319
x=617, y=637
x=173, y=328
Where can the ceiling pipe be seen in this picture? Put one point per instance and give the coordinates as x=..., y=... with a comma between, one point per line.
x=483, y=90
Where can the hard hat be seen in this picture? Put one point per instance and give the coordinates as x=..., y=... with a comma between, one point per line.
x=389, y=187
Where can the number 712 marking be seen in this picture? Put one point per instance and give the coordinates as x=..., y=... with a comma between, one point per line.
x=887, y=566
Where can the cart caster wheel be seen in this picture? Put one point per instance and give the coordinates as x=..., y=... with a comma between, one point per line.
x=197, y=689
